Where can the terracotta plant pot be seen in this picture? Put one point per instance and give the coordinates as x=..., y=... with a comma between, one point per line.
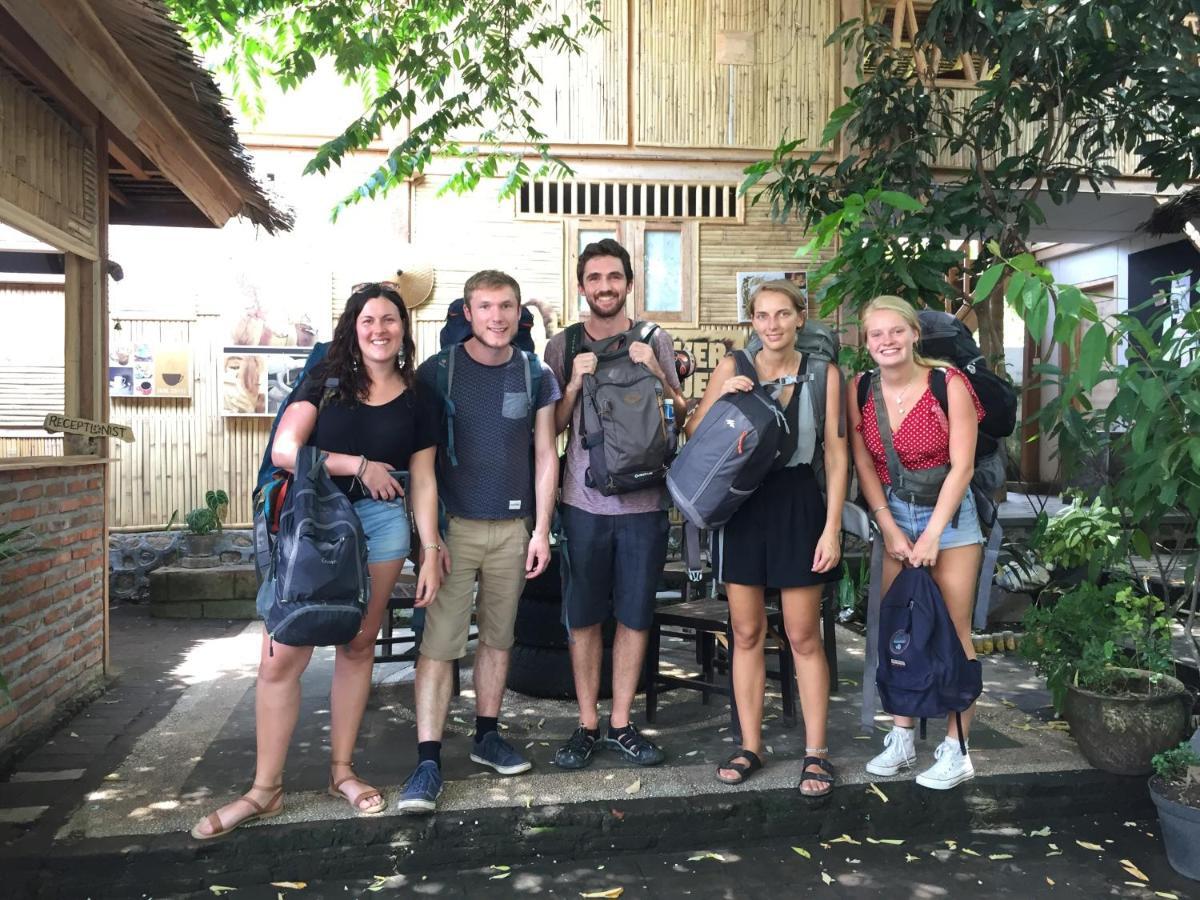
x=1180, y=830
x=1120, y=731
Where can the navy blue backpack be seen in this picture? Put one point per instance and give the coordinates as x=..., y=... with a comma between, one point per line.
x=922, y=670
x=319, y=561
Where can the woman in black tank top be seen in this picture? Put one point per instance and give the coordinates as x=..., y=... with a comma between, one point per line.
x=783, y=537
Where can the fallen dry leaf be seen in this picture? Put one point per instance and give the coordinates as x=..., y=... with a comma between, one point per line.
x=501, y=868
x=1049, y=881
x=634, y=787
x=500, y=877
x=845, y=839
x=825, y=845
x=969, y=851
x=908, y=857
x=895, y=842
x=379, y=883
x=1000, y=856
x=802, y=852
x=1134, y=870
x=220, y=889
x=610, y=894
x=1166, y=895
x=1087, y=845
x=708, y=854
x=874, y=789
x=1041, y=832
x=827, y=878
x=290, y=885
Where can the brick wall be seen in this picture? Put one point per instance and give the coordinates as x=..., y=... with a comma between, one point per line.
x=51, y=602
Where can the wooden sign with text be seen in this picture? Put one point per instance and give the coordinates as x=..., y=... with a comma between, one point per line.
x=55, y=422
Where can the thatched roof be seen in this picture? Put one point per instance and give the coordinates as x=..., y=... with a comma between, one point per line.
x=152, y=42
x=1172, y=216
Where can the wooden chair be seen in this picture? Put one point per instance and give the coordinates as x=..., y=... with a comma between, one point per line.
x=399, y=629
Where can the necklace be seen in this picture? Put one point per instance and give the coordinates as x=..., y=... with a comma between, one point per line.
x=900, y=396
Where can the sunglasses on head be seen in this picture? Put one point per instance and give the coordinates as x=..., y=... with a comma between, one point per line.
x=390, y=286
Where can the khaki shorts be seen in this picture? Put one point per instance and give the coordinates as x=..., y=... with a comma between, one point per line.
x=494, y=551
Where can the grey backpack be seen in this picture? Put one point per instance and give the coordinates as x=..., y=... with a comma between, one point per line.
x=622, y=426
x=820, y=346
x=731, y=452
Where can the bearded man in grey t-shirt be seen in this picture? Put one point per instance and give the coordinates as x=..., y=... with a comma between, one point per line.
x=616, y=545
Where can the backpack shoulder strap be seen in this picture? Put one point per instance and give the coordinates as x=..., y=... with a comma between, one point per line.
x=937, y=385
x=744, y=365
x=864, y=388
x=533, y=383
x=643, y=331
x=444, y=370
x=330, y=393
x=895, y=468
x=574, y=341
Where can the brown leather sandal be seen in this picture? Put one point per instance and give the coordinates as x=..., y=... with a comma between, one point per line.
x=273, y=808
x=366, y=794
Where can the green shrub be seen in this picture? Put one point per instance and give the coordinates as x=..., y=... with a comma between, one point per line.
x=1091, y=631
x=1080, y=535
x=1177, y=763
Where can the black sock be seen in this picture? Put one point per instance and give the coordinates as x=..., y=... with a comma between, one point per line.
x=430, y=750
x=615, y=733
x=484, y=724
x=593, y=733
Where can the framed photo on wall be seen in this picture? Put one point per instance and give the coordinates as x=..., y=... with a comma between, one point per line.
x=244, y=384
x=150, y=370
x=746, y=281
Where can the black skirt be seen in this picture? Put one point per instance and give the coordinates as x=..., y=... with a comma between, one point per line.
x=771, y=539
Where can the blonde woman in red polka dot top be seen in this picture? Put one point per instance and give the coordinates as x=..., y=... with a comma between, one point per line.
x=945, y=537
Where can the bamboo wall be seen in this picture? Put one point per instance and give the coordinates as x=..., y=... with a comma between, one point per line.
x=182, y=447
x=47, y=170
x=686, y=98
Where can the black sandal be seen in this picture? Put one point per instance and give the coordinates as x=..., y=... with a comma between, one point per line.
x=744, y=770
x=826, y=776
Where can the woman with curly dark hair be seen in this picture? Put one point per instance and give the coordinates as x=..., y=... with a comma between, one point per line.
x=374, y=423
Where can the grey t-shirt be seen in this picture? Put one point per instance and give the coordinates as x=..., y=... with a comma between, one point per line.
x=493, y=478
x=575, y=491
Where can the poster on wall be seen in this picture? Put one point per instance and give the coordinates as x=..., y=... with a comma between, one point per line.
x=286, y=323
x=747, y=280
x=149, y=370
x=244, y=384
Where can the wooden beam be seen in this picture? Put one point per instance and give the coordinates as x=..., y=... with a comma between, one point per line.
x=127, y=154
x=71, y=32
x=24, y=55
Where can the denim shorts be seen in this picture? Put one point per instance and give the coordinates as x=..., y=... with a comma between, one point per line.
x=611, y=566
x=913, y=518
x=386, y=525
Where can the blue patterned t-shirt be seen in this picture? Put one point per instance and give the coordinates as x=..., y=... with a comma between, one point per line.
x=494, y=475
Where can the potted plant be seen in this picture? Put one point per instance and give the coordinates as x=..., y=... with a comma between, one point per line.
x=1078, y=541
x=1175, y=790
x=1105, y=652
x=204, y=524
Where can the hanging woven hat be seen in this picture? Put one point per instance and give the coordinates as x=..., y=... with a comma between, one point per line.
x=415, y=283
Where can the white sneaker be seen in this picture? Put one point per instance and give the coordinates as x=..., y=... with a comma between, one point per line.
x=952, y=768
x=899, y=752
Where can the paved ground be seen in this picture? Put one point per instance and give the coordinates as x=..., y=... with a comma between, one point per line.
x=1098, y=856
x=105, y=804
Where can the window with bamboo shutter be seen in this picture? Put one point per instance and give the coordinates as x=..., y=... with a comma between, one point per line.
x=904, y=18
x=645, y=200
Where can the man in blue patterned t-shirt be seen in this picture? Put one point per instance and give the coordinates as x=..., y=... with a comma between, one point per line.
x=492, y=497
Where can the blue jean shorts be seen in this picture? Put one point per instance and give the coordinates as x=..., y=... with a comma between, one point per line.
x=386, y=525
x=913, y=518
x=611, y=566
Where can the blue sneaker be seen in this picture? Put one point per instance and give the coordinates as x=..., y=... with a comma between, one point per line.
x=422, y=789
x=493, y=750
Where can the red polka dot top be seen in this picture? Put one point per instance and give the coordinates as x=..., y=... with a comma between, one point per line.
x=923, y=439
